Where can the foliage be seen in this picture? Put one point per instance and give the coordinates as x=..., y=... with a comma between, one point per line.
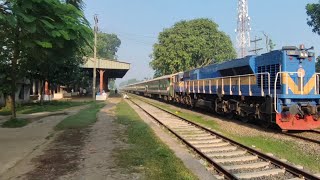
x=43, y=39
x=318, y=64
x=314, y=17
x=112, y=84
x=15, y=123
x=107, y=46
x=79, y=4
x=130, y=81
x=190, y=44
x=271, y=45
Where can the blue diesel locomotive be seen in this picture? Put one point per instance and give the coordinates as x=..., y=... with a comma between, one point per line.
x=280, y=87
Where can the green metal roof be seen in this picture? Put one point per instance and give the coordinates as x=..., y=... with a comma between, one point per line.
x=106, y=64
x=114, y=69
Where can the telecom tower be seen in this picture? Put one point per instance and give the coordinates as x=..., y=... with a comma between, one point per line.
x=243, y=28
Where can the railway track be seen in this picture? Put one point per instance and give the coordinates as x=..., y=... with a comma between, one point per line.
x=231, y=159
x=310, y=136
x=297, y=135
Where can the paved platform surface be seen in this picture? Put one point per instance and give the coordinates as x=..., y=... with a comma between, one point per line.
x=17, y=143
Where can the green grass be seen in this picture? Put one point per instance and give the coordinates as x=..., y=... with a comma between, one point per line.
x=146, y=153
x=280, y=148
x=51, y=106
x=15, y=123
x=82, y=119
x=284, y=149
x=5, y=111
x=48, y=106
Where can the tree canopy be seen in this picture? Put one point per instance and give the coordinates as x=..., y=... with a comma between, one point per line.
x=190, y=44
x=318, y=64
x=313, y=11
x=130, y=81
x=79, y=4
x=44, y=39
x=107, y=46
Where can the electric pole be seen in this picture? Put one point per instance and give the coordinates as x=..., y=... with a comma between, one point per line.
x=95, y=58
x=267, y=41
x=243, y=28
x=256, y=49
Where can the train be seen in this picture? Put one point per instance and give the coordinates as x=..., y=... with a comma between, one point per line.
x=279, y=88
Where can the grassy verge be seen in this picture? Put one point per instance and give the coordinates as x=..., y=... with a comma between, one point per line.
x=51, y=106
x=147, y=154
x=284, y=149
x=280, y=148
x=47, y=106
x=5, y=111
x=15, y=123
x=82, y=119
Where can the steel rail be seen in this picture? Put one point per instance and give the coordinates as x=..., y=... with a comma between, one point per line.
x=303, y=138
x=218, y=167
x=290, y=168
x=315, y=131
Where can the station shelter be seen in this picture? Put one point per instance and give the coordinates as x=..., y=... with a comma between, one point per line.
x=106, y=69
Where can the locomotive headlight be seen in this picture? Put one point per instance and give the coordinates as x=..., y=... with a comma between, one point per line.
x=303, y=54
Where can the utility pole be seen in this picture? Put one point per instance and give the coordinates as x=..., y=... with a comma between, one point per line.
x=95, y=58
x=243, y=28
x=256, y=49
x=267, y=41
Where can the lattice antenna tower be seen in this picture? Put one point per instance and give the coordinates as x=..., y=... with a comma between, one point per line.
x=243, y=28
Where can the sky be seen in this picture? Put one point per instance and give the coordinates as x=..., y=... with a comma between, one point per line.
x=137, y=23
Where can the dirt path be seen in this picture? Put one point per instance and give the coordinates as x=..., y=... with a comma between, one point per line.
x=80, y=153
x=103, y=139
x=17, y=145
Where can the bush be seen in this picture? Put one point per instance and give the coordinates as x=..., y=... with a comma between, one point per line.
x=15, y=123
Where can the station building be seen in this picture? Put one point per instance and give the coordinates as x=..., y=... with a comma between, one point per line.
x=28, y=90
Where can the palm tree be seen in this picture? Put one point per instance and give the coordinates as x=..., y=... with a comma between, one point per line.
x=79, y=4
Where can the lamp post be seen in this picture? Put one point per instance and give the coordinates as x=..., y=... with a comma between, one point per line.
x=95, y=58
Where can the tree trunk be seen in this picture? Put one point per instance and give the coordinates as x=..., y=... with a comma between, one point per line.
x=8, y=102
x=42, y=92
x=14, y=64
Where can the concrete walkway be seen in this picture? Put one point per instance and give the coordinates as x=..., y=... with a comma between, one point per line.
x=33, y=115
x=18, y=143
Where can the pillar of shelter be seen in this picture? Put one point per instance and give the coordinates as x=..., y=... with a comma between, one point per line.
x=101, y=80
x=46, y=88
x=39, y=88
x=34, y=87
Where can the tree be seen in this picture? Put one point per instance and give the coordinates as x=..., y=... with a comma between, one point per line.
x=190, y=44
x=112, y=84
x=79, y=4
x=45, y=35
x=107, y=46
x=314, y=17
x=271, y=45
x=130, y=81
